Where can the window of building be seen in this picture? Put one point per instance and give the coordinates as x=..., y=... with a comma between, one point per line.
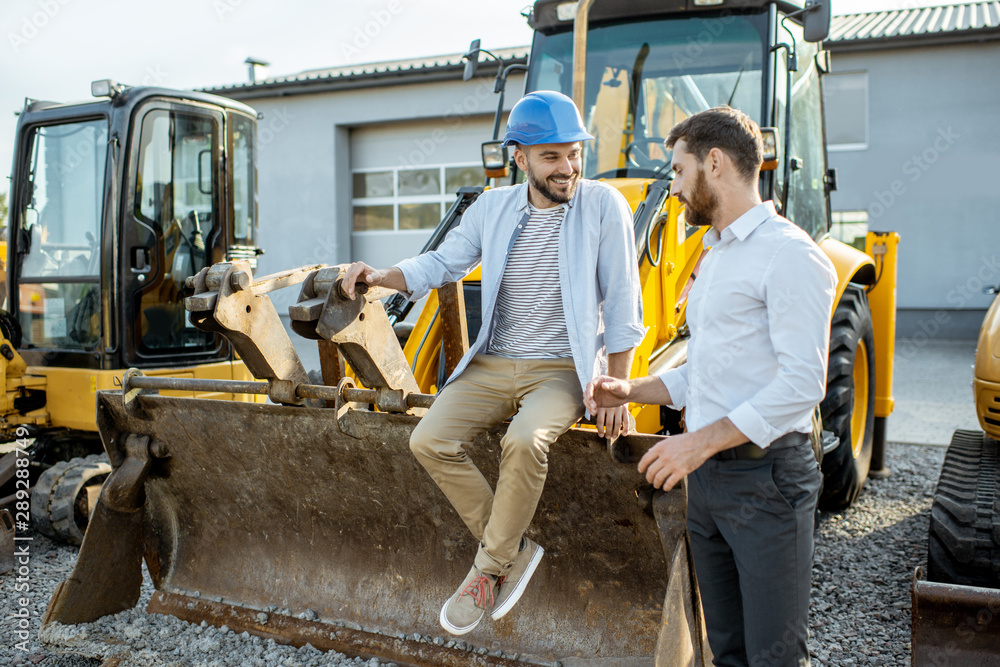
x=406, y=198
x=846, y=98
x=851, y=227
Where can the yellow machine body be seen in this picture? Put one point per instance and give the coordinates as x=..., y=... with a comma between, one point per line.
x=986, y=377
x=72, y=392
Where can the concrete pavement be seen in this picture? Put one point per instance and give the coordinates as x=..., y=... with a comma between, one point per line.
x=932, y=385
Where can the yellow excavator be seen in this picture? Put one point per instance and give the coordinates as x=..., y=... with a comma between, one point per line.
x=114, y=203
x=308, y=520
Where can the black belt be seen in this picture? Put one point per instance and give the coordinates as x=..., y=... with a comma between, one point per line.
x=748, y=450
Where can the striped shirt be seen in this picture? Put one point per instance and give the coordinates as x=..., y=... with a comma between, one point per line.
x=530, y=321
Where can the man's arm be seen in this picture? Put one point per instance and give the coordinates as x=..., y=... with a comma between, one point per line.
x=618, y=281
x=673, y=458
x=618, y=275
x=460, y=250
x=606, y=391
x=800, y=287
x=613, y=421
x=620, y=363
x=391, y=278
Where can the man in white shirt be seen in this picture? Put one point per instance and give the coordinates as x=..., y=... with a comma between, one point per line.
x=759, y=314
x=561, y=305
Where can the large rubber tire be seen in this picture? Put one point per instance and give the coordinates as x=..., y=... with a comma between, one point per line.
x=964, y=543
x=849, y=406
x=54, y=501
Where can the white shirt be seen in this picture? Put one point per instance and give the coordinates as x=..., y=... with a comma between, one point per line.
x=759, y=314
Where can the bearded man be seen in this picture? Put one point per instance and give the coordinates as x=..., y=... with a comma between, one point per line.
x=561, y=304
x=759, y=315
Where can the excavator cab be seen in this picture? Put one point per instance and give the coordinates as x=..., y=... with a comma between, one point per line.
x=115, y=203
x=641, y=80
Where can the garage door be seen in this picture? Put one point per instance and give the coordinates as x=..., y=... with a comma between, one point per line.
x=404, y=178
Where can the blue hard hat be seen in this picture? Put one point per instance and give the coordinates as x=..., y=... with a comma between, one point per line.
x=544, y=117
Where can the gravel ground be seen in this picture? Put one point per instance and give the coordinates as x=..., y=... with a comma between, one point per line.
x=865, y=558
x=864, y=562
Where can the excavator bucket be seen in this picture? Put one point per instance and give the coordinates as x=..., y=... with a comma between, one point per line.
x=317, y=525
x=953, y=624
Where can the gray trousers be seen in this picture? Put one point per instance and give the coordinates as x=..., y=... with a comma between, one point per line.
x=751, y=527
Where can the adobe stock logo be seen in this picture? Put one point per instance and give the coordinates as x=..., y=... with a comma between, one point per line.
x=363, y=35
x=915, y=168
x=32, y=24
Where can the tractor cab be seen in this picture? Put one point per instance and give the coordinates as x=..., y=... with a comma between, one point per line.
x=114, y=204
x=635, y=72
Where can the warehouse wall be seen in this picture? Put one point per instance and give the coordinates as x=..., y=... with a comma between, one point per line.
x=929, y=173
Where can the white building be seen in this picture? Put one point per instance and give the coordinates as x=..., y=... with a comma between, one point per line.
x=912, y=111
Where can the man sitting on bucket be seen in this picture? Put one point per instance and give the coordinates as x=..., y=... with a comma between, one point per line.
x=560, y=303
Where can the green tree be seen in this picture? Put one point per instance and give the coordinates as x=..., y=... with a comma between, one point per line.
x=3, y=209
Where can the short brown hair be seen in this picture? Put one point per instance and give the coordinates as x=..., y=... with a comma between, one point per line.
x=730, y=130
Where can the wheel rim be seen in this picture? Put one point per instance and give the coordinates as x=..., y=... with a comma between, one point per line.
x=859, y=412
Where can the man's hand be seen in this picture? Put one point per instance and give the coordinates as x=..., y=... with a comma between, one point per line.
x=356, y=270
x=605, y=391
x=612, y=422
x=673, y=458
x=391, y=278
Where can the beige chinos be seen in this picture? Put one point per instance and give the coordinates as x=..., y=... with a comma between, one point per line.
x=544, y=398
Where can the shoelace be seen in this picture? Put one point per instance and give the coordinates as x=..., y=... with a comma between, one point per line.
x=481, y=589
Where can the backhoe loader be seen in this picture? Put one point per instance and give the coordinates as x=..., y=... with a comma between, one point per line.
x=634, y=72
x=309, y=520
x=114, y=203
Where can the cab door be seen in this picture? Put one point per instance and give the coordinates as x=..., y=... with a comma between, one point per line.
x=55, y=262
x=173, y=226
x=242, y=184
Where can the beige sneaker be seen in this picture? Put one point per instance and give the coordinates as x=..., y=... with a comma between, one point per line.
x=511, y=586
x=463, y=610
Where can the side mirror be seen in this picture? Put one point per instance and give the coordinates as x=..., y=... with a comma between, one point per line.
x=816, y=20
x=770, y=136
x=471, y=60
x=495, y=159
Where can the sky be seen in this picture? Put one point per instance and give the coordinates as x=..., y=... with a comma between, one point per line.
x=53, y=49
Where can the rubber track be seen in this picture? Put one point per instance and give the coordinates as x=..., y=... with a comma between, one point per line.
x=41, y=494
x=964, y=536
x=54, y=499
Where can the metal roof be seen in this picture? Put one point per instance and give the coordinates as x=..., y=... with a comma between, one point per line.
x=972, y=21
x=390, y=72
